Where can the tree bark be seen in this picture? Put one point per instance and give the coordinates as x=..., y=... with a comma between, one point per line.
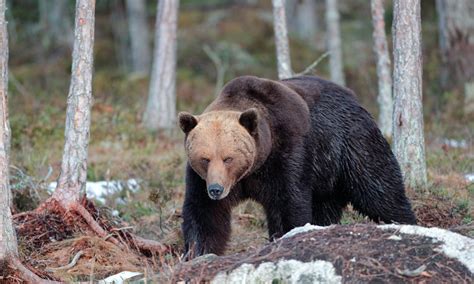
x=281, y=40
x=160, y=113
x=456, y=41
x=384, y=73
x=139, y=35
x=336, y=67
x=72, y=179
x=8, y=243
x=408, y=138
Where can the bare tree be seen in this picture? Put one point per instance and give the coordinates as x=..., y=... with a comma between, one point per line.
x=384, y=73
x=72, y=179
x=336, y=67
x=139, y=36
x=8, y=240
x=118, y=24
x=408, y=138
x=302, y=19
x=160, y=110
x=56, y=23
x=281, y=39
x=456, y=40
x=8, y=243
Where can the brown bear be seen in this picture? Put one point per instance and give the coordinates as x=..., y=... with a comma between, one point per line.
x=303, y=147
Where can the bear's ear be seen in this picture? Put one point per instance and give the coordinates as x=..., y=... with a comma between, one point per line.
x=187, y=121
x=249, y=120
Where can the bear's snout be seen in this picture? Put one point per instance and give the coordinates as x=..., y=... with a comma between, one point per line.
x=215, y=190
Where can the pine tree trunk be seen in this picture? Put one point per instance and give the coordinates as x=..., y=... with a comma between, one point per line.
x=456, y=40
x=384, y=73
x=160, y=113
x=55, y=22
x=302, y=19
x=8, y=243
x=138, y=29
x=336, y=67
x=408, y=138
x=281, y=40
x=72, y=179
x=118, y=23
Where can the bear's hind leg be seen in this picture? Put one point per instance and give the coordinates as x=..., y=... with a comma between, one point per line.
x=391, y=210
x=327, y=212
x=382, y=201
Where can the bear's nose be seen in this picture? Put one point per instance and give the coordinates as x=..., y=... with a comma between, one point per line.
x=215, y=190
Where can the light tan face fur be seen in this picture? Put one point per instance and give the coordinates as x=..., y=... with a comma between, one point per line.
x=220, y=150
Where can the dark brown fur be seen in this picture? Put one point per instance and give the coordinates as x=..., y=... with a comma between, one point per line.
x=317, y=150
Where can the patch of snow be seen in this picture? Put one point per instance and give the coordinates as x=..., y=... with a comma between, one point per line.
x=119, y=278
x=453, y=143
x=395, y=238
x=455, y=245
x=288, y=271
x=100, y=189
x=306, y=228
x=469, y=177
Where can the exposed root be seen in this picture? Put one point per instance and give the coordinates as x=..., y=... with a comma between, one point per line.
x=93, y=224
x=149, y=245
x=26, y=273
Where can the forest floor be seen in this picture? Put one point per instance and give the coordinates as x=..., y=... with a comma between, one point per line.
x=120, y=149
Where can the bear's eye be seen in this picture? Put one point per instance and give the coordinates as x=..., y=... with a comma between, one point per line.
x=205, y=161
x=228, y=160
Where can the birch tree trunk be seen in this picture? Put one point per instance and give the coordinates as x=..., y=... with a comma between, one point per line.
x=160, y=113
x=408, y=139
x=456, y=40
x=8, y=243
x=384, y=73
x=281, y=40
x=336, y=67
x=138, y=29
x=72, y=179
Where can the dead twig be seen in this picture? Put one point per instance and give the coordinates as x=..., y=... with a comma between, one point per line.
x=313, y=65
x=68, y=266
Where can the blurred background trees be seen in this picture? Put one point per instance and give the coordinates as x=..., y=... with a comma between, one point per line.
x=160, y=113
x=139, y=36
x=456, y=42
x=207, y=43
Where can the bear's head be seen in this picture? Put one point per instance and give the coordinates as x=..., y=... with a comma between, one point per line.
x=222, y=146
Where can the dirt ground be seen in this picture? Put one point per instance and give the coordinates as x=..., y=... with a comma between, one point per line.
x=360, y=253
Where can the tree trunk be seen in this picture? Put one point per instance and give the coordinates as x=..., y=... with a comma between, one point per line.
x=8, y=243
x=281, y=40
x=384, y=73
x=302, y=19
x=138, y=29
x=118, y=22
x=55, y=22
x=160, y=113
x=408, y=139
x=456, y=40
x=336, y=68
x=72, y=179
